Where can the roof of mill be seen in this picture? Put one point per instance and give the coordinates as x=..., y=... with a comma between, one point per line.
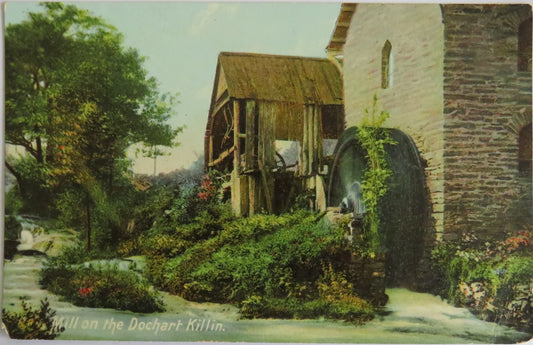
x=281, y=78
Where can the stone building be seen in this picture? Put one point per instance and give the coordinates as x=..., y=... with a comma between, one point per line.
x=457, y=80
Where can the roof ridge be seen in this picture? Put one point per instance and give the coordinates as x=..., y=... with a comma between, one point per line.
x=272, y=56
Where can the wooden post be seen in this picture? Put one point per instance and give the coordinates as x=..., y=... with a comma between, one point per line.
x=251, y=137
x=312, y=138
x=317, y=139
x=236, y=133
x=304, y=151
x=251, y=155
x=266, y=152
x=236, y=193
x=252, y=193
x=210, y=149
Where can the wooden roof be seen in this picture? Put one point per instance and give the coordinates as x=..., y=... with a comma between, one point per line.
x=341, y=27
x=280, y=78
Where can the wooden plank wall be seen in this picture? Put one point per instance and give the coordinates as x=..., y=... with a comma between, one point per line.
x=267, y=151
x=311, y=148
x=239, y=188
x=253, y=182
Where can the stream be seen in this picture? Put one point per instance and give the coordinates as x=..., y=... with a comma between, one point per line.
x=410, y=317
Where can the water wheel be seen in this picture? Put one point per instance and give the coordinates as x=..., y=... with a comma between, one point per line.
x=403, y=211
x=347, y=169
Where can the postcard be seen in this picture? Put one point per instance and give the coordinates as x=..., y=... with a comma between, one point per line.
x=260, y=172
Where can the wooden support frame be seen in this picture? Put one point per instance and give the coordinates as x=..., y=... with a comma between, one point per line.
x=222, y=156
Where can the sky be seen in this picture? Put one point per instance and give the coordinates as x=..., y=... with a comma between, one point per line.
x=182, y=40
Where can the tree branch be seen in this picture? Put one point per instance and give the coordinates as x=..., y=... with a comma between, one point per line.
x=24, y=143
x=17, y=176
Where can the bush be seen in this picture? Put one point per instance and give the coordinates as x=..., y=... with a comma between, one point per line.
x=12, y=228
x=13, y=201
x=493, y=279
x=269, y=266
x=31, y=323
x=101, y=287
x=37, y=192
x=173, y=217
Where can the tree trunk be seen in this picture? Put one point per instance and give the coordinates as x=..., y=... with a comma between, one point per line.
x=39, y=153
x=50, y=148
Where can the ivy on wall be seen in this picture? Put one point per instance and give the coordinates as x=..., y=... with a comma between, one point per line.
x=373, y=137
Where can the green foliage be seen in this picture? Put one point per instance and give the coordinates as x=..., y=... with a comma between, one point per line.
x=268, y=265
x=34, y=190
x=100, y=217
x=12, y=228
x=31, y=323
x=492, y=278
x=13, y=202
x=75, y=100
x=373, y=138
x=100, y=287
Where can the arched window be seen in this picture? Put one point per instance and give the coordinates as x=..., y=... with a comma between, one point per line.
x=524, y=151
x=524, y=46
x=386, y=66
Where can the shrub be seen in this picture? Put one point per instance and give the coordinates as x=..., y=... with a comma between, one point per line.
x=269, y=266
x=101, y=287
x=13, y=201
x=35, y=191
x=12, y=228
x=31, y=323
x=492, y=279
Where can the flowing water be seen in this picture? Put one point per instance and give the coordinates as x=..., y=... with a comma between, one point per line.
x=410, y=317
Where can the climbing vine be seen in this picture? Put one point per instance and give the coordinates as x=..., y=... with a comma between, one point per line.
x=373, y=138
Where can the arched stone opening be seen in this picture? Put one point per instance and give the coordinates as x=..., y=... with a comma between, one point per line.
x=405, y=208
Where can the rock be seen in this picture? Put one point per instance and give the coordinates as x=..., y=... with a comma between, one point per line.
x=43, y=246
x=30, y=252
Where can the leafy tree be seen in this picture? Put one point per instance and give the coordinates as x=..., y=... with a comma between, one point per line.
x=76, y=99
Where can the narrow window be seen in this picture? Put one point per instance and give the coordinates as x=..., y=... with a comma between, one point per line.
x=524, y=151
x=524, y=46
x=386, y=66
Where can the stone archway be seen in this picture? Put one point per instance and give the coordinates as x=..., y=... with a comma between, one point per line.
x=404, y=210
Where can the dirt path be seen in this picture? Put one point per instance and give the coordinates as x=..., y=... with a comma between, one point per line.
x=413, y=318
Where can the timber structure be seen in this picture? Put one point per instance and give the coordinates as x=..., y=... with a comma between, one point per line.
x=258, y=99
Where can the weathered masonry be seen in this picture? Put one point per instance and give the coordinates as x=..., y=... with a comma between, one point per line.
x=261, y=102
x=457, y=79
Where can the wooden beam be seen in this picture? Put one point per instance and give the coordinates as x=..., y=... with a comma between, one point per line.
x=236, y=141
x=220, y=104
x=251, y=138
x=210, y=158
x=317, y=139
x=222, y=156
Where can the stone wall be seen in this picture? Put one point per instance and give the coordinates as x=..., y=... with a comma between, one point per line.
x=456, y=89
x=414, y=97
x=486, y=103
